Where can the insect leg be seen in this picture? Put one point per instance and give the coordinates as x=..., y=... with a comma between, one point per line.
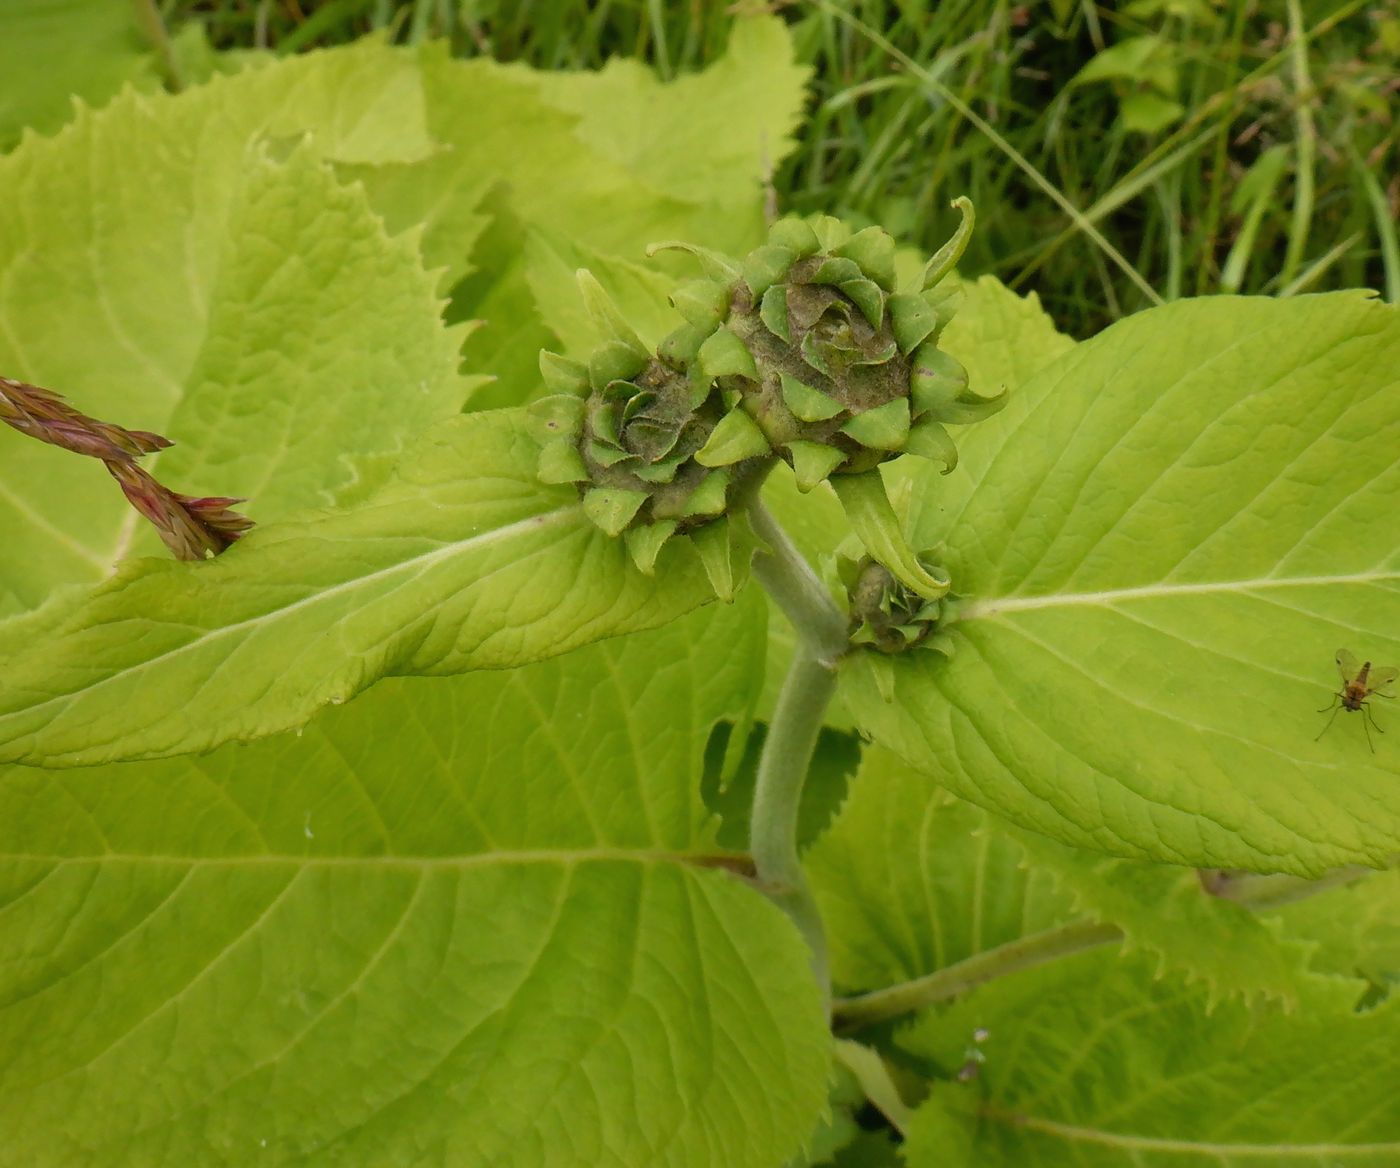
x=1335, y=699
x=1330, y=720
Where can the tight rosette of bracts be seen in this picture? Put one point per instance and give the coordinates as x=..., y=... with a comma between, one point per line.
x=806, y=350
x=642, y=438
x=887, y=617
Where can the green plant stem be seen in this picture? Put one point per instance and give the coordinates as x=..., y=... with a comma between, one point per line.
x=792, y=733
x=782, y=772
x=1257, y=892
x=1306, y=145
x=783, y=573
x=148, y=19
x=906, y=997
x=1271, y=891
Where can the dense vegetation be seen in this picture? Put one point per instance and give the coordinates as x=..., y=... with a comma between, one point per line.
x=1119, y=154
x=582, y=666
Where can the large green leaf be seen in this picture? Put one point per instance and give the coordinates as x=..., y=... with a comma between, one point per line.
x=190, y=265
x=462, y=561
x=457, y=922
x=911, y=880
x=617, y=161
x=1091, y=1062
x=52, y=51
x=1164, y=911
x=1181, y=522
x=702, y=136
x=1356, y=928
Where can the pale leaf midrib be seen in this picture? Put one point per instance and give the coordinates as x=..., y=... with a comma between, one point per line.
x=1204, y=1148
x=427, y=558
x=991, y=608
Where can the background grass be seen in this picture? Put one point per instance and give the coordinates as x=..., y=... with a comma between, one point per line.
x=1119, y=154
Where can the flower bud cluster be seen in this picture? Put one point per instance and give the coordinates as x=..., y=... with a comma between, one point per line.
x=808, y=350
x=834, y=361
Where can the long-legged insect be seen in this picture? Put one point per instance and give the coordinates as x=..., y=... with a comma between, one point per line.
x=1359, y=684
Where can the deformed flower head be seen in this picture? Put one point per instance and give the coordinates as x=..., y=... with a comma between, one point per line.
x=655, y=449
x=835, y=360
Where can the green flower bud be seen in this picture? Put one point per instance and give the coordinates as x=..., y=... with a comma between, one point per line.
x=826, y=354
x=657, y=449
x=885, y=615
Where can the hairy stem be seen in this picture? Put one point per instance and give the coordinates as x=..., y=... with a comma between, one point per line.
x=792, y=735
x=782, y=771
x=786, y=576
x=148, y=17
x=906, y=997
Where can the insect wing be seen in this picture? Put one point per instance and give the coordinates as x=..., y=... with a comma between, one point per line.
x=1348, y=666
x=1380, y=678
